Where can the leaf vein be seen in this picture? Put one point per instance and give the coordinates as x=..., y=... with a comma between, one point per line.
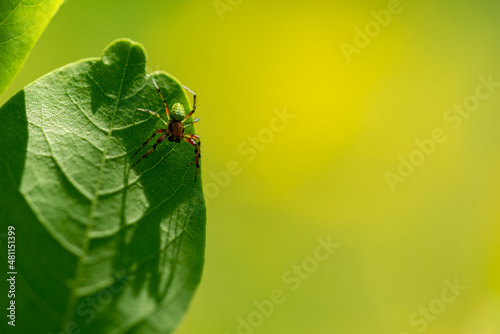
x=73, y=297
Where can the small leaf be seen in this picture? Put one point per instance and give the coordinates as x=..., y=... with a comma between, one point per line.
x=99, y=248
x=21, y=24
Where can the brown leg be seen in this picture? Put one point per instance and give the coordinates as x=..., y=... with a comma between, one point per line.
x=163, y=99
x=154, y=114
x=191, y=139
x=192, y=122
x=194, y=104
x=160, y=139
x=147, y=141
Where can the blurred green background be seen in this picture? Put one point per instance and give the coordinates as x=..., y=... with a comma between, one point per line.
x=323, y=173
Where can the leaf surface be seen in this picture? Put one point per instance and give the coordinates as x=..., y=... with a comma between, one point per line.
x=99, y=248
x=21, y=24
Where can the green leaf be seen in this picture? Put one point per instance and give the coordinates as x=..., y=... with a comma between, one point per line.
x=99, y=248
x=21, y=24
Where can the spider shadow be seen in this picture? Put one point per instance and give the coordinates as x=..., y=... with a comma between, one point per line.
x=138, y=240
x=141, y=264
x=151, y=228
x=155, y=206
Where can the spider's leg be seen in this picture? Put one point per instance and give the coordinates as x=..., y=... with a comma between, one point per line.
x=163, y=99
x=154, y=114
x=192, y=122
x=147, y=141
x=194, y=104
x=191, y=139
x=160, y=139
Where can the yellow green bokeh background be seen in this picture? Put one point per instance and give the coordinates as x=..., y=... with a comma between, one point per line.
x=323, y=175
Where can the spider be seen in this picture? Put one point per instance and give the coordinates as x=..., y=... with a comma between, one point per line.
x=174, y=131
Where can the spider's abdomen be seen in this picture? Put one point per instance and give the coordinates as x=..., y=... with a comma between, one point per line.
x=177, y=112
x=176, y=128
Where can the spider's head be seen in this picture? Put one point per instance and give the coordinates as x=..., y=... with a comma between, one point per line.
x=177, y=112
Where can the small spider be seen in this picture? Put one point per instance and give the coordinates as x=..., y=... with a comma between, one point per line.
x=174, y=131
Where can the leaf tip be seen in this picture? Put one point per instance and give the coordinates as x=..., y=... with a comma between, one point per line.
x=122, y=50
x=123, y=61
